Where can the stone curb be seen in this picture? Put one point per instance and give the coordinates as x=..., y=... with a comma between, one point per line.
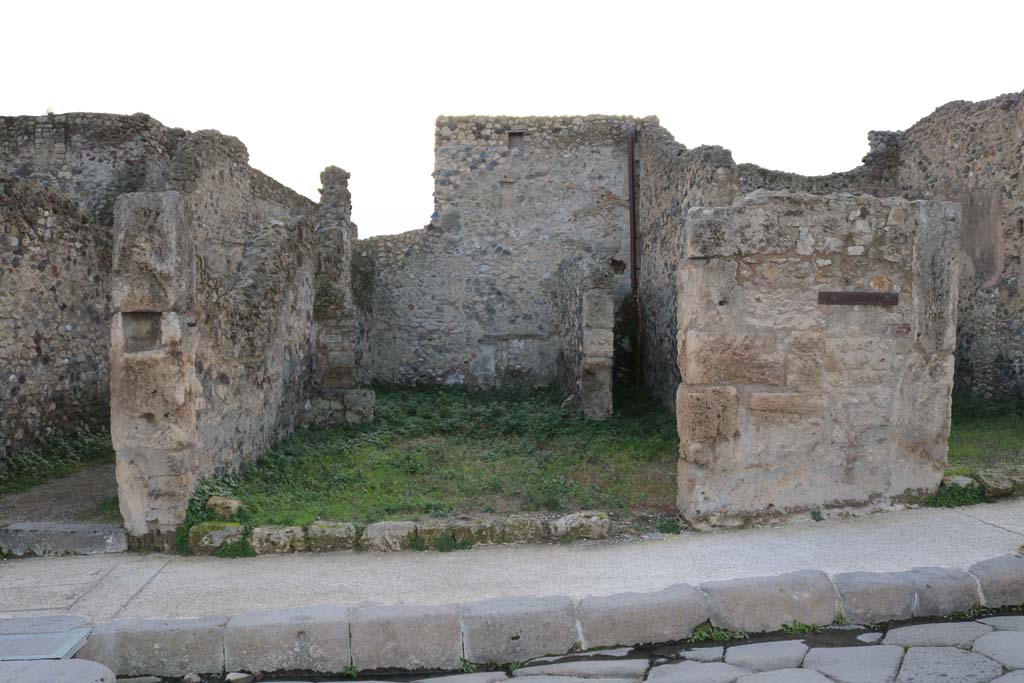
x=335, y=639
x=206, y=538
x=26, y=539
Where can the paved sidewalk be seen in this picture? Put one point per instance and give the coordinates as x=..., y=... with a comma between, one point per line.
x=132, y=586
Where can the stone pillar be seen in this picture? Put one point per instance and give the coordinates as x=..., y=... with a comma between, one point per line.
x=154, y=392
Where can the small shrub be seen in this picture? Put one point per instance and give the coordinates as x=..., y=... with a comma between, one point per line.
x=668, y=526
x=707, y=633
x=957, y=496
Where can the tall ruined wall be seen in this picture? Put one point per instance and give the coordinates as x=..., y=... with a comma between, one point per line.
x=974, y=153
x=54, y=311
x=470, y=298
x=212, y=334
x=670, y=180
x=790, y=403
x=92, y=158
x=586, y=317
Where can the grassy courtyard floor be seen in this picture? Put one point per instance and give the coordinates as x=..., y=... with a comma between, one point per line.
x=438, y=452
x=986, y=434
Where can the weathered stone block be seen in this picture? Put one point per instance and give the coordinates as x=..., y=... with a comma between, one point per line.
x=406, y=637
x=874, y=598
x=327, y=536
x=388, y=536
x=956, y=634
x=160, y=647
x=804, y=361
x=598, y=308
x=784, y=408
x=637, y=618
x=524, y=529
x=873, y=663
x=784, y=654
x=593, y=669
x=359, y=405
x=596, y=387
x=769, y=603
x=598, y=343
x=505, y=630
x=304, y=639
x=733, y=359
x=592, y=525
x=61, y=538
x=475, y=531
x=268, y=540
x=56, y=671
x=941, y=591
x=706, y=414
x=1001, y=580
x=204, y=538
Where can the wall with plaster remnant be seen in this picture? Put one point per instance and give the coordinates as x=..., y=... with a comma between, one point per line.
x=54, y=313
x=586, y=320
x=470, y=299
x=788, y=405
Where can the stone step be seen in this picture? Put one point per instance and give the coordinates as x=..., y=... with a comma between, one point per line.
x=23, y=539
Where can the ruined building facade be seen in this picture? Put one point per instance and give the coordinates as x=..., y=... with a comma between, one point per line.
x=803, y=328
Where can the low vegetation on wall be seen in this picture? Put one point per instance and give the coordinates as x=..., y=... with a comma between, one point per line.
x=443, y=452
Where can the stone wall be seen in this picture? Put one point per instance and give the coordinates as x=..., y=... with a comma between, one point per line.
x=788, y=405
x=586, y=318
x=54, y=308
x=974, y=153
x=470, y=299
x=671, y=179
x=211, y=343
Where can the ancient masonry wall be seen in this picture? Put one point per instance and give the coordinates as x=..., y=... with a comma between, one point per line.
x=671, y=179
x=787, y=404
x=54, y=312
x=974, y=153
x=586, y=318
x=211, y=344
x=470, y=298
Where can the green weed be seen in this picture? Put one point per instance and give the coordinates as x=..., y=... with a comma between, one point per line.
x=706, y=633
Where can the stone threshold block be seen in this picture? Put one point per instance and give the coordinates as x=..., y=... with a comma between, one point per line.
x=303, y=639
x=769, y=603
x=639, y=618
x=158, y=647
x=507, y=630
x=26, y=539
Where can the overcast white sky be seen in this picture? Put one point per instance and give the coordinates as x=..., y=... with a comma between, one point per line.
x=788, y=85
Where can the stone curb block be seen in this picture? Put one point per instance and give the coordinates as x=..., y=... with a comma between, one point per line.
x=638, y=618
x=407, y=637
x=873, y=598
x=939, y=591
x=771, y=602
x=158, y=647
x=303, y=639
x=1001, y=580
x=507, y=630
x=56, y=671
x=57, y=538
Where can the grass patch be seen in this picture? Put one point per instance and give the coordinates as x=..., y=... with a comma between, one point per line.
x=706, y=633
x=798, y=628
x=440, y=451
x=957, y=496
x=62, y=455
x=985, y=434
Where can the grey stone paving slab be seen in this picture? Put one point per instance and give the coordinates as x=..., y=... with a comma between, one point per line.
x=695, y=672
x=785, y=676
x=704, y=654
x=478, y=677
x=159, y=647
x=872, y=664
x=407, y=637
x=505, y=630
x=602, y=652
x=1006, y=647
x=611, y=668
x=870, y=638
x=302, y=639
x=1012, y=677
x=1004, y=623
x=941, y=591
x=946, y=665
x=56, y=671
x=769, y=603
x=873, y=597
x=955, y=634
x=637, y=618
x=47, y=624
x=61, y=538
x=1001, y=579
x=781, y=654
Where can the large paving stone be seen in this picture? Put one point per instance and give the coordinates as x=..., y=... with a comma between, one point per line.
x=505, y=630
x=48, y=624
x=304, y=639
x=872, y=664
x=1001, y=623
x=769, y=603
x=158, y=647
x=873, y=598
x=946, y=665
x=56, y=671
x=1006, y=647
x=956, y=634
x=941, y=591
x=782, y=654
x=785, y=676
x=59, y=538
x=607, y=668
x=478, y=677
x=407, y=637
x=704, y=654
x=695, y=672
x=1001, y=579
x=1012, y=677
x=636, y=618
